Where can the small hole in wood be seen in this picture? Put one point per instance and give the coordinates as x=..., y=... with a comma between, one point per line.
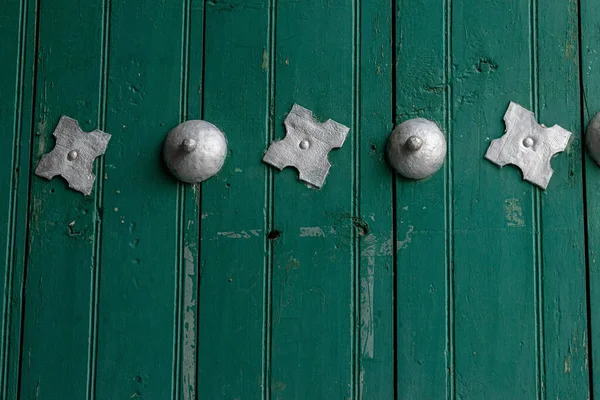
x=273, y=235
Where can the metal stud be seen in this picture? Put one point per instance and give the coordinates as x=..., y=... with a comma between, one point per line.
x=417, y=148
x=194, y=151
x=592, y=138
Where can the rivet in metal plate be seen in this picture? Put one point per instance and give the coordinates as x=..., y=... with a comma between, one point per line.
x=73, y=165
x=417, y=148
x=522, y=130
x=414, y=143
x=306, y=145
x=194, y=151
x=72, y=155
x=188, y=145
x=528, y=142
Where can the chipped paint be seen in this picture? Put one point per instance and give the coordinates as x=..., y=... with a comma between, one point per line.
x=402, y=244
x=513, y=213
x=241, y=235
x=367, y=281
x=265, y=60
x=311, y=231
x=189, y=328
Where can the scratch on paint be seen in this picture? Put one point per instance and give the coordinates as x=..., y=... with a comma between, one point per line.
x=311, y=231
x=189, y=329
x=402, y=244
x=367, y=329
x=513, y=212
x=568, y=362
x=360, y=384
x=240, y=235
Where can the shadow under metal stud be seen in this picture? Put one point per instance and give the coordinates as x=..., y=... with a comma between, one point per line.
x=528, y=145
x=194, y=151
x=306, y=146
x=73, y=155
x=417, y=148
x=592, y=138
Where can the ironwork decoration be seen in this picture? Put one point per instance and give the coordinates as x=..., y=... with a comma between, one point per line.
x=73, y=155
x=528, y=145
x=306, y=146
x=195, y=151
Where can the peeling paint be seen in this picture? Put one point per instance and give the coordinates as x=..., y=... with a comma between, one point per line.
x=311, y=231
x=367, y=281
x=189, y=329
x=513, y=213
x=241, y=235
x=402, y=244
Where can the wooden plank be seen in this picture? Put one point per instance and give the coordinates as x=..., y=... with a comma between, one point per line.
x=57, y=334
x=563, y=274
x=590, y=58
x=140, y=250
x=18, y=28
x=423, y=297
x=12, y=27
x=375, y=312
x=314, y=275
x=498, y=349
x=189, y=214
x=232, y=312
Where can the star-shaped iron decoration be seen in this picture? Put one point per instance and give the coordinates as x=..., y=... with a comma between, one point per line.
x=528, y=145
x=73, y=155
x=306, y=145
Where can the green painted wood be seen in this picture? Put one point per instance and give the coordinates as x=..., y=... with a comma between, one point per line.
x=315, y=272
x=164, y=290
x=56, y=338
x=590, y=57
x=424, y=285
x=563, y=269
x=189, y=223
x=497, y=321
x=373, y=124
x=18, y=29
x=233, y=337
x=140, y=260
x=11, y=29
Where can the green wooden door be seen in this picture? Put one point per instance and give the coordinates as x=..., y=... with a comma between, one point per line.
x=471, y=284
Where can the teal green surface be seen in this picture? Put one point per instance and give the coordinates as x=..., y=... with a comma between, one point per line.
x=471, y=284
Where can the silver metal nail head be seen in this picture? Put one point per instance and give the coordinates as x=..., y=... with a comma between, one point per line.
x=73, y=155
x=592, y=138
x=417, y=148
x=195, y=151
x=528, y=145
x=306, y=146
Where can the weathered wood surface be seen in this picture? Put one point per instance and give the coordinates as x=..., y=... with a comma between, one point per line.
x=471, y=284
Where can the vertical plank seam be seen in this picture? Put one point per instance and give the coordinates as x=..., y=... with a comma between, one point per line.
x=99, y=200
x=449, y=207
x=394, y=114
x=181, y=208
x=199, y=205
x=35, y=59
x=356, y=318
x=537, y=219
x=584, y=113
x=269, y=206
x=11, y=232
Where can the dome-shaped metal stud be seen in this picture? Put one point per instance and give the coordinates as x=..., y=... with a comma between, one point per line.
x=417, y=148
x=194, y=151
x=592, y=138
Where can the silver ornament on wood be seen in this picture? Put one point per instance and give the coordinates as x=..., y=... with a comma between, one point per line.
x=417, y=148
x=195, y=151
